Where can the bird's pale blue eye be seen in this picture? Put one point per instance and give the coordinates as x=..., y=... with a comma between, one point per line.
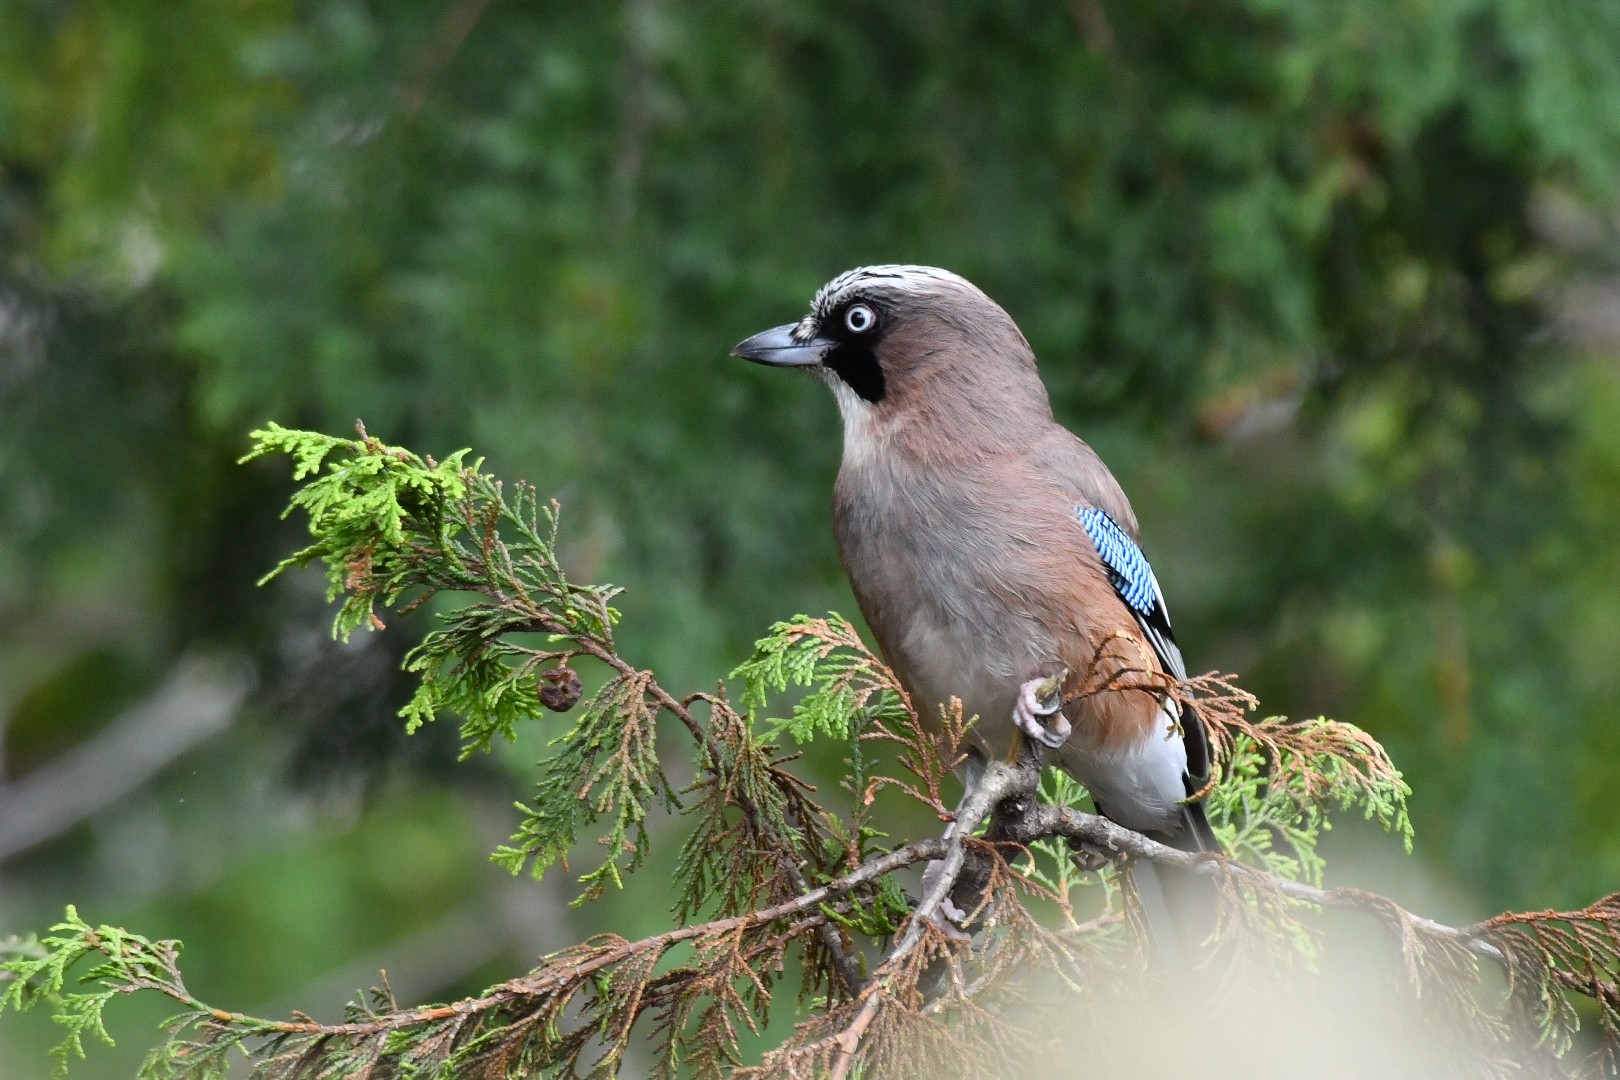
x=859, y=319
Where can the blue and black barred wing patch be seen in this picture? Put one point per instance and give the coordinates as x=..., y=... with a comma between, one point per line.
x=1128, y=569
x=1132, y=578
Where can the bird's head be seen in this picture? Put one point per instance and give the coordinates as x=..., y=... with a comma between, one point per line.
x=905, y=343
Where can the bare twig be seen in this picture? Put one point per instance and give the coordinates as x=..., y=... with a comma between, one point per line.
x=1095, y=29
x=196, y=702
x=1044, y=821
x=454, y=26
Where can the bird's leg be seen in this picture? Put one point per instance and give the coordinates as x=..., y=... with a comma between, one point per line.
x=1040, y=698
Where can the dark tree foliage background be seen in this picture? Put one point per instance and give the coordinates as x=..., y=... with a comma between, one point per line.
x=1335, y=288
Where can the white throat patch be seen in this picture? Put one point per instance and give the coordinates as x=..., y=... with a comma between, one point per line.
x=863, y=431
x=861, y=438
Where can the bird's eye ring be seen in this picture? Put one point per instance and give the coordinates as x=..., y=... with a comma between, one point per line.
x=859, y=319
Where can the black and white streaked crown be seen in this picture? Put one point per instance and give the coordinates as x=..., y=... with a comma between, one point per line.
x=890, y=277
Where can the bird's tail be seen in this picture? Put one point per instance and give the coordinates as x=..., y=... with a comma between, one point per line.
x=1177, y=905
x=1196, y=835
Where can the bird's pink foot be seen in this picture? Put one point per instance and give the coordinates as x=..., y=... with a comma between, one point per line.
x=1031, y=708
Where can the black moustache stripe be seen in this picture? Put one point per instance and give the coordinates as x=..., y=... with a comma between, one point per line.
x=858, y=366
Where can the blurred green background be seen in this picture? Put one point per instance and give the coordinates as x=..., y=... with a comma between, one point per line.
x=1334, y=288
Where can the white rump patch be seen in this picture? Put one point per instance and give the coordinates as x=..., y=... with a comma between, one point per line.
x=1140, y=785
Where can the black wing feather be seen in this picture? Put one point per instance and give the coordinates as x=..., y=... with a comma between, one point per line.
x=1138, y=588
x=1155, y=626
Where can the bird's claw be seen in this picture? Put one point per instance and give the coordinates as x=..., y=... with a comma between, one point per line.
x=1091, y=856
x=1041, y=698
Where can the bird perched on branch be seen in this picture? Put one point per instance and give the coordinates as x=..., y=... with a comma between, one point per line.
x=989, y=548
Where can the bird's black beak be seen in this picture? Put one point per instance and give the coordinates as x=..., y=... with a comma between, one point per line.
x=778, y=348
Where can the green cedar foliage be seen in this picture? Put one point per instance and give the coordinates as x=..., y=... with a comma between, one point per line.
x=1281, y=794
x=121, y=963
x=824, y=654
x=390, y=526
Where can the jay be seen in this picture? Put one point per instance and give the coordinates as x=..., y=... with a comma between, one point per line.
x=988, y=547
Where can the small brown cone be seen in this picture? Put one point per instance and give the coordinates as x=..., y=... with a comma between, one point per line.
x=559, y=688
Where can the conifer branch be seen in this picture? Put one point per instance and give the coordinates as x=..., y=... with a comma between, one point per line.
x=765, y=869
x=396, y=528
